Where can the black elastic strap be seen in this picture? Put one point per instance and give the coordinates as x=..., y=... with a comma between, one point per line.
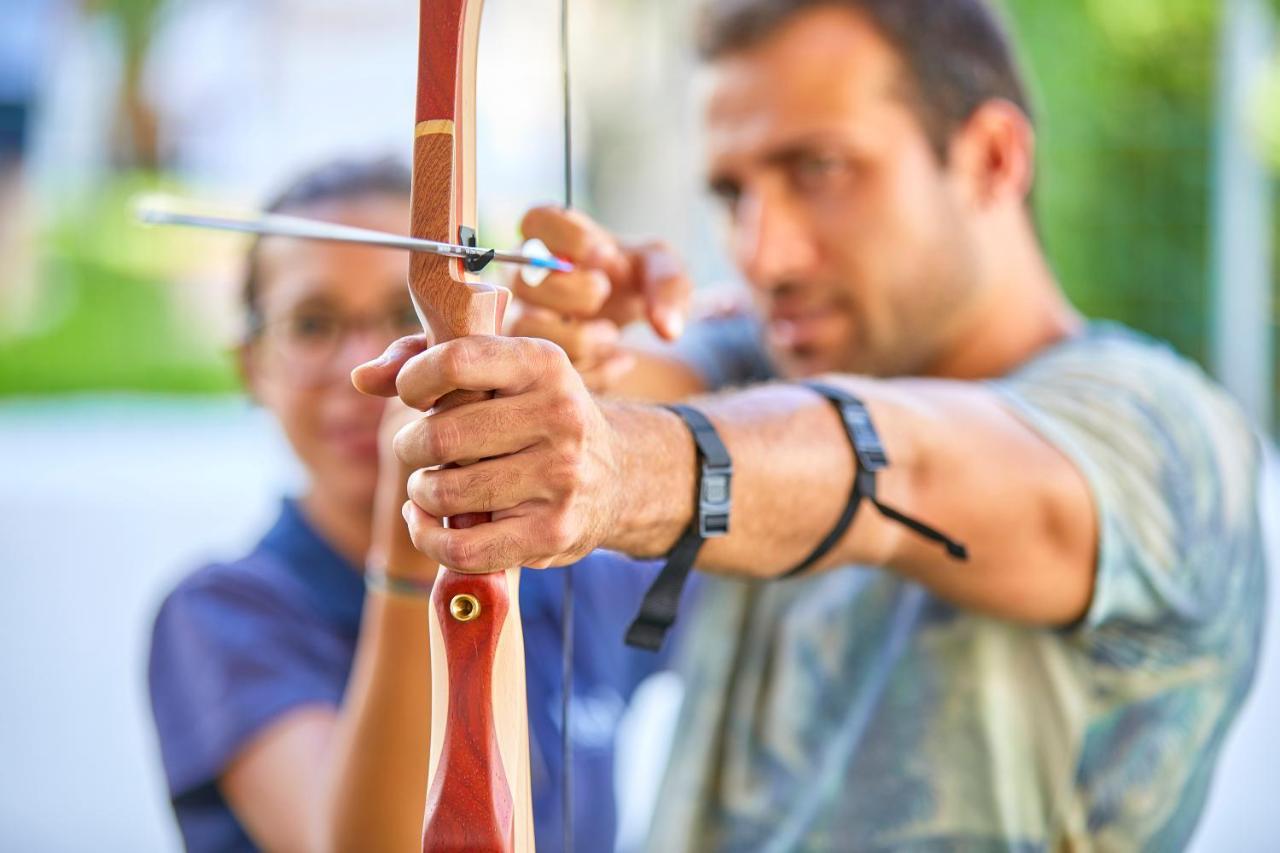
x=715, y=474
x=869, y=458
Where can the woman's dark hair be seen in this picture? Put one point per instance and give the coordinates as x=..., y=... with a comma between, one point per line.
x=337, y=180
x=955, y=52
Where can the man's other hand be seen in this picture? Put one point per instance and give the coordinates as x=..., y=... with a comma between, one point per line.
x=546, y=468
x=612, y=287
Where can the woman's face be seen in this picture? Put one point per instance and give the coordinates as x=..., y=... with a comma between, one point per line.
x=325, y=308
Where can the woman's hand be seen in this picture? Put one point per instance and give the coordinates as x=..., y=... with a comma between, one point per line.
x=391, y=549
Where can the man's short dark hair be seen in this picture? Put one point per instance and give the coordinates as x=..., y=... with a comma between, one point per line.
x=955, y=52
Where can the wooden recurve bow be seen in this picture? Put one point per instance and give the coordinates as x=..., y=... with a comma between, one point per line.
x=478, y=795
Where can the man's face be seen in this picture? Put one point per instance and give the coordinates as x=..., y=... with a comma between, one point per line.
x=850, y=232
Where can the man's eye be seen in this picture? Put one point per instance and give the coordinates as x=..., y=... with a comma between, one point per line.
x=819, y=172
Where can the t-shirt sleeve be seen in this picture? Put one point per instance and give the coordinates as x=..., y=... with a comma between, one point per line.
x=726, y=351
x=1172, y=467
x=229, y=655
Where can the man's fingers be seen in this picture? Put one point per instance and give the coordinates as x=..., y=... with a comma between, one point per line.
x=571, y=235
x=377, y=378
x=667, y=290
x=495, y=428
x=475, y=363
x=581, y=293
x=586, y=342
x=489, y=486
x=489, y=547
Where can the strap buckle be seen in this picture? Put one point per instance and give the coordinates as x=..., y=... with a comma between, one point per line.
x=714, y=500
x=866, y=441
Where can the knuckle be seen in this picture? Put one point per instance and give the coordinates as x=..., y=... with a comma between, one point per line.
x=461, y=554
x=558, y=534
x=451, y=360
x=570, y=416
x=439, y=437
x=547, y=354
x=476, y=487
x=439, y=493
x=564, y=470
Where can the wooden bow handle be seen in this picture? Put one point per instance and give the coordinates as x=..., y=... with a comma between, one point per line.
x=478, y=796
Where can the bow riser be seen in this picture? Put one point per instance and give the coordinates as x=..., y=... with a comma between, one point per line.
x=478, y=795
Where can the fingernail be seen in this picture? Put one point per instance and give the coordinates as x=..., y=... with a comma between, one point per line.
x=404, y=511
x=675, y=324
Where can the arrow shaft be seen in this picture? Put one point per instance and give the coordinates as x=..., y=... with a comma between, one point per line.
x=280, y=225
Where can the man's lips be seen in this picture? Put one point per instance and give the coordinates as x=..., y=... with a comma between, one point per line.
x=797, y=328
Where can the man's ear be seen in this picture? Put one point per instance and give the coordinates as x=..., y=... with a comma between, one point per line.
x=994, y=154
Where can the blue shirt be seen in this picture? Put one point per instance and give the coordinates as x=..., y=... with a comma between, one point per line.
x=239, y=644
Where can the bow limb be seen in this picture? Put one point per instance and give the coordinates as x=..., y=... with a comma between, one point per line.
x=478, y=793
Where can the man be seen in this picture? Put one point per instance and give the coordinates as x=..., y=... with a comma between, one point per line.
x=1069, y=685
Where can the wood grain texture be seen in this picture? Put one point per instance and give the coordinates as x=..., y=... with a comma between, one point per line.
x=469, y=804
x=479, y=797
x=438, y=42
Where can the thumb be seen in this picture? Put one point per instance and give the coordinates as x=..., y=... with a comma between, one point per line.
x=377, y=378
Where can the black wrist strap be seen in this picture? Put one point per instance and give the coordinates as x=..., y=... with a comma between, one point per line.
x=715, y=474
x=869, y=458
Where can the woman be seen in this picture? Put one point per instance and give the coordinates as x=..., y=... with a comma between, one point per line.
x=292, y=707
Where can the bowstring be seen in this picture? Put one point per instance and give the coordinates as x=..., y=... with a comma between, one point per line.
x=566, y=615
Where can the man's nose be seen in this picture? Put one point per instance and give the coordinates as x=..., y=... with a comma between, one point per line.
x=773, y=241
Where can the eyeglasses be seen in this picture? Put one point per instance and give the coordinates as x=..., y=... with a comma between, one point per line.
x=308, y=344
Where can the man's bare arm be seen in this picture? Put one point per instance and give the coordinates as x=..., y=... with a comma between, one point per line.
x=563, y=474
x=960, y=461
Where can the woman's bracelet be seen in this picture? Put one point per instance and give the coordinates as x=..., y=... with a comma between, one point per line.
x=380, y=581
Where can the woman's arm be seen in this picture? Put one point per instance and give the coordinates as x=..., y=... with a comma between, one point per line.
x=354, y=778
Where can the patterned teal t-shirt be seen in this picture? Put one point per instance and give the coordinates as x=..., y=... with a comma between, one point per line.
x=854, y=710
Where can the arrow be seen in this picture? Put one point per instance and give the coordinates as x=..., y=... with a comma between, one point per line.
x=167, y=210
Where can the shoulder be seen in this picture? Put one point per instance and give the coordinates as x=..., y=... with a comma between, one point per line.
x=1173, y=466
x=1117, y=393
x=256, y=579
x=220, y=601
x=234, y=646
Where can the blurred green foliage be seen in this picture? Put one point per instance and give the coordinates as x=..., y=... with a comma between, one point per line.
x=107, y=318
x=1125, y=94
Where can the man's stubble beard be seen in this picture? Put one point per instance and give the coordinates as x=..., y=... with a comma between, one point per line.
x=923, y=310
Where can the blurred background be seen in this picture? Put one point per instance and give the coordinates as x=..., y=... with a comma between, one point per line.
x=128, y=454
